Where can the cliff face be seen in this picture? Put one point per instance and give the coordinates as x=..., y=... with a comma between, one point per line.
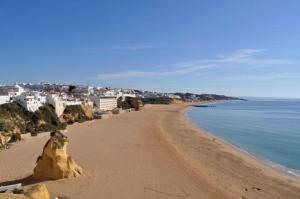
x=15, y=119
x=76, y=113
x=157, y=100
x=130, y=102
x=54, y=163
x=88, y=111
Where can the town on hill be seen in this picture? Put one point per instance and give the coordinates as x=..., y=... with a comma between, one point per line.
x=44, y=107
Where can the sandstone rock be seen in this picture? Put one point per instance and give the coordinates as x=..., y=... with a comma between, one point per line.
x=2, y=141
x=54, y=163
x=38, y=192
x=35, y=192
x=88, y=110
x=12, y=196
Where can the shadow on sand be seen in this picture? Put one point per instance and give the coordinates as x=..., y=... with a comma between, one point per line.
x=24, y=181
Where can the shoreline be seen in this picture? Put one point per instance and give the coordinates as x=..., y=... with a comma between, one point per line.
x=243, y=152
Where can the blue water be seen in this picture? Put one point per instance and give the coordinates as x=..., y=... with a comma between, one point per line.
x=267, y=129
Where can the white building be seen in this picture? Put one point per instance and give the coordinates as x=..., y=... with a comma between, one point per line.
x=109, y=93
x=30, y=101
x=72, y=102
x=18, y=90
x=4, y=99
x=173, y=96
x=57, y=103
x=90, y=90
x=104, y=103
x=125, y=94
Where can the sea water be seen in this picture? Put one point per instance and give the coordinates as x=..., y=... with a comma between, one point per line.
x=267, y=129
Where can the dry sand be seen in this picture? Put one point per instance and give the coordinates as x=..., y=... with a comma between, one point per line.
x=154, y=153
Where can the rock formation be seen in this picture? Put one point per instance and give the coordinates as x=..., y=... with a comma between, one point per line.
x=75, y=113
x=2, y=141
x=5, y=138
x=54, y=163
x=88, y=110
x=36, y=192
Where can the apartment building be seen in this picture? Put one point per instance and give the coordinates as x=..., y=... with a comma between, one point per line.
x=104, y=103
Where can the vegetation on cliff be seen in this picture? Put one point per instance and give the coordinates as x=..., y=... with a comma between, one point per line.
x=206, y=97
x=45, y=119
x=157, y=100
x=75, y=113
x=15, y=119
x=130, y=102
x=186, y=97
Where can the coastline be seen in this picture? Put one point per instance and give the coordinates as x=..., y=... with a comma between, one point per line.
x=242, y=168
x=153, y=153
x=242, y=152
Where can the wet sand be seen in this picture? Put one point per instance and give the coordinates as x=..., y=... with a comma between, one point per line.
x=154, y=153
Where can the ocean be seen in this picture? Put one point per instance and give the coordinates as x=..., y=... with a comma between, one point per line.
x=267, y=129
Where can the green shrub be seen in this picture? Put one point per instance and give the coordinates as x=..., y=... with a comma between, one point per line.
x=15, y=137
x=129, y=102
x=77, y=112
x=18, y=191
x=14, y=115
x=157, y=100
x=2, y=126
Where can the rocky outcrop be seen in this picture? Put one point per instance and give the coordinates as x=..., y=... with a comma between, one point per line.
x=3, y=140
x=74, y=113
x=36, y=192
x=6, y=138
x=54, y=163
x=129, y=103
x=88, y=110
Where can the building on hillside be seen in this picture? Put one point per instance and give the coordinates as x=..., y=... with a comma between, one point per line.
x=124, y=95
x=30, y=101
x=4, y=99
x=72, y=102
x=11, y=91
x=173, y=96
x=57, y=103
x=104, y=103
x=90, y=90
x=109, y=93
x=18, y=90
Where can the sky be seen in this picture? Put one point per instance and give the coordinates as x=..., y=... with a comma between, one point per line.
x=237, y=48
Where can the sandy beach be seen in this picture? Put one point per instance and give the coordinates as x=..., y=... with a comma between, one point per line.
x=153, y=153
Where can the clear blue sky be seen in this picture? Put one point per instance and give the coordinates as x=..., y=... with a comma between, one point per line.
x=240, y=48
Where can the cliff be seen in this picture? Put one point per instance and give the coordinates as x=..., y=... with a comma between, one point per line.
x=14, y=119
x=76, y=113
x=157, y=100
x=129, y=103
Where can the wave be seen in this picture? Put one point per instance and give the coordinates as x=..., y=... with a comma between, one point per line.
x=284, y=169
